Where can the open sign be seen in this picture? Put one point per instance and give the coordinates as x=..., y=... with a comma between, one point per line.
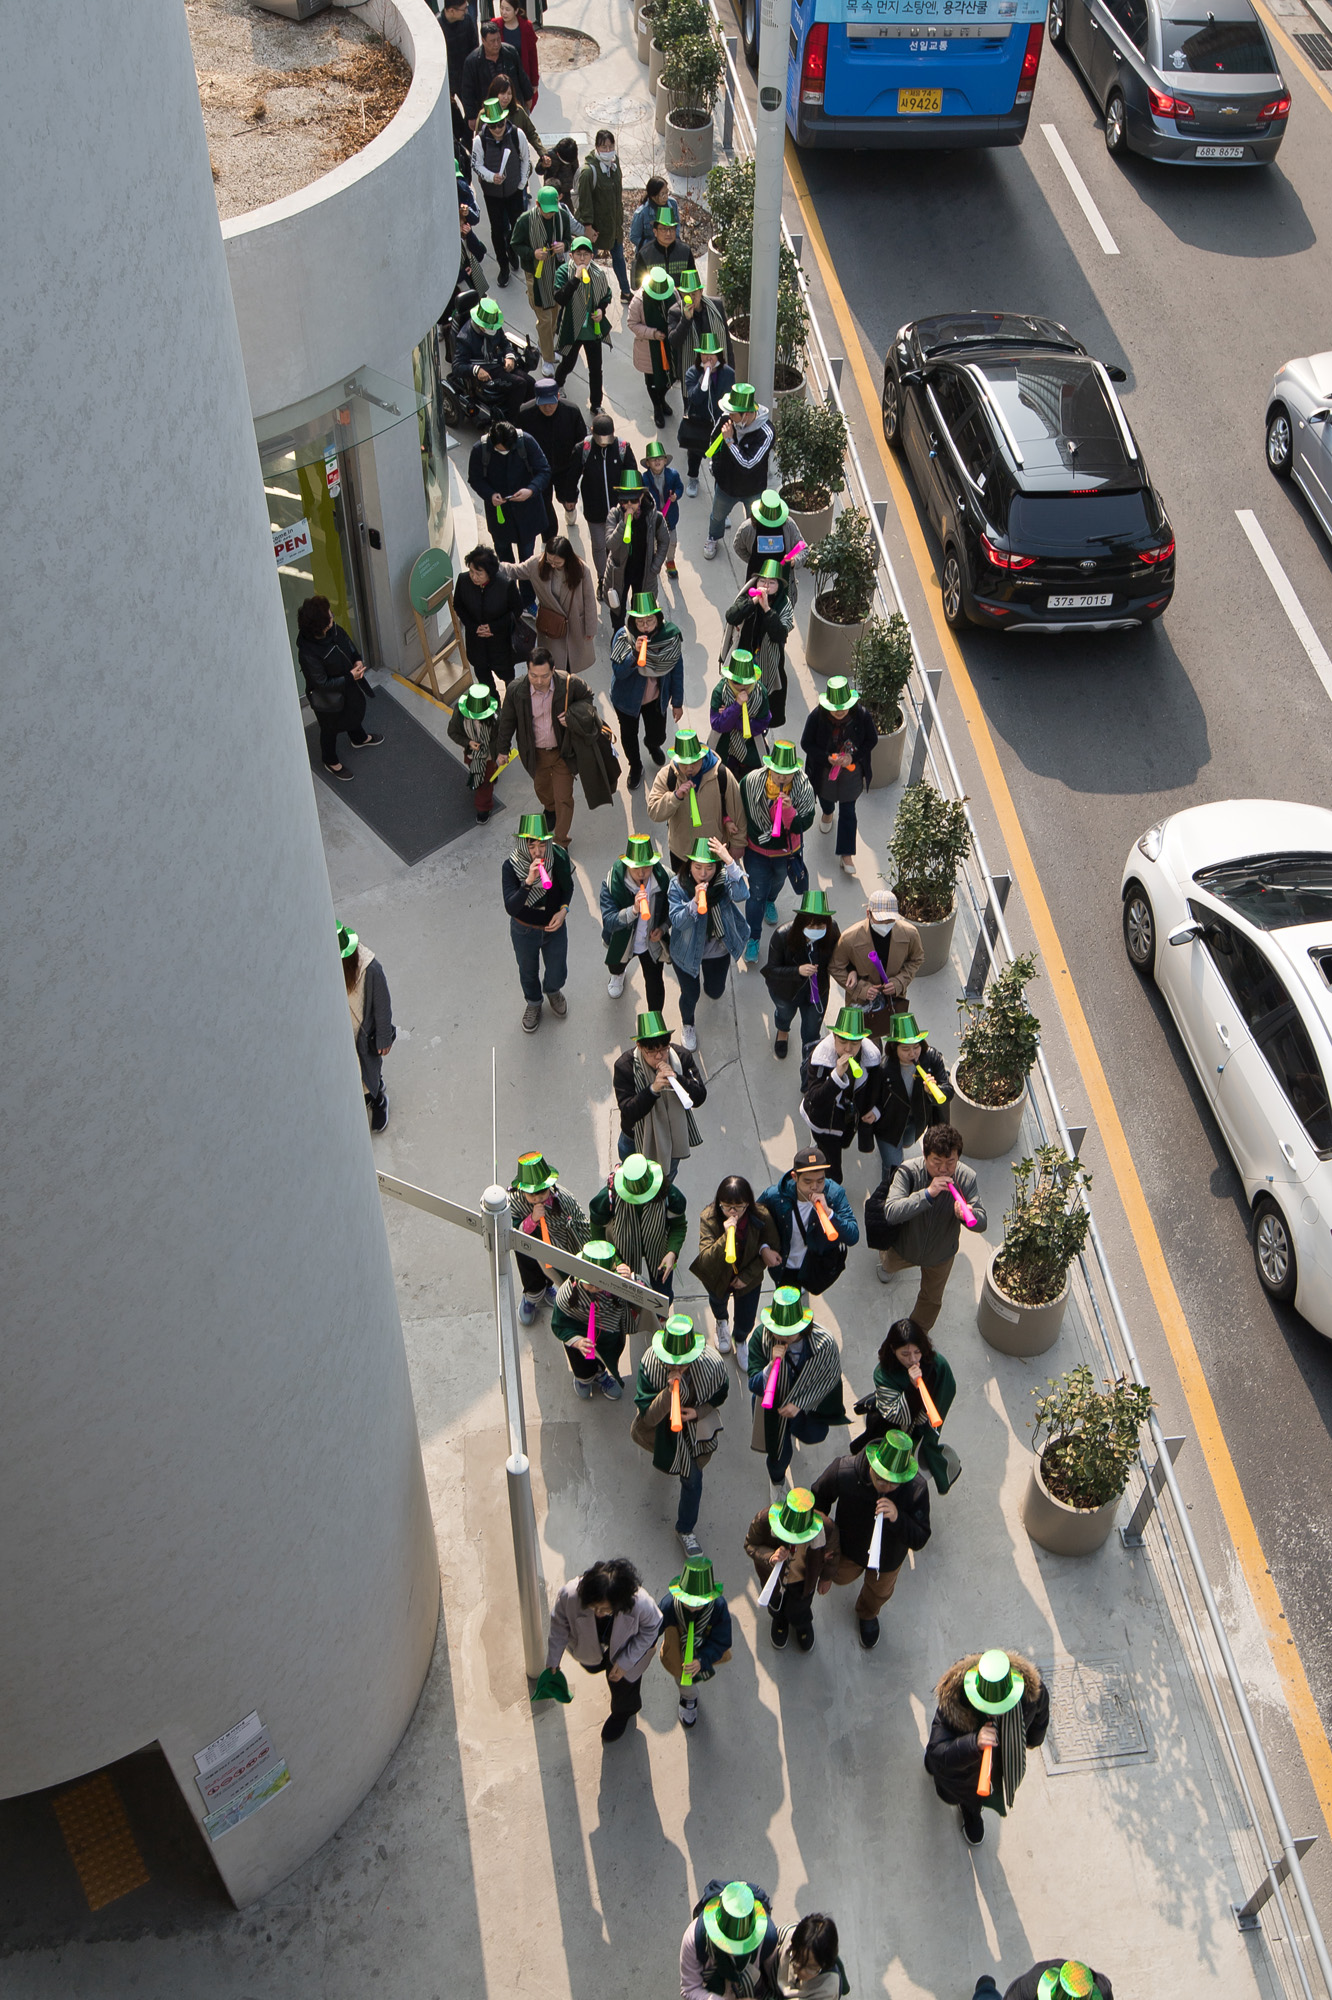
x=289, y=544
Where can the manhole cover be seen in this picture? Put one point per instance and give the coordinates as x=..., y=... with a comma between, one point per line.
x=617, y=111
x=566, y=48
x=1094, y=1720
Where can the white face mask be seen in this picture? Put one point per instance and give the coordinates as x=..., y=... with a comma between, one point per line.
x=812, y=937
x=607, y=161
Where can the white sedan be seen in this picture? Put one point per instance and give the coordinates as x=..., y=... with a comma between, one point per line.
x=1229, y=908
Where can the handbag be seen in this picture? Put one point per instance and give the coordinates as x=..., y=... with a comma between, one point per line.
x=550, y=623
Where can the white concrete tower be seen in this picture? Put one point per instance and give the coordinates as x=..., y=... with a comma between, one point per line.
x=211, y=1493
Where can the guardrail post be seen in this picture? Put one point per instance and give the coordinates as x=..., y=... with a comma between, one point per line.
x=1132, y=1532
x=934, y=676
x=835, y=361
x=980, y=963
x=1246, y=1914
x=798, y=246
x=517, y=1467
x=728, y=108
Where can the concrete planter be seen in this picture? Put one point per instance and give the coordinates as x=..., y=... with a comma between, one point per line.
x=813, y=527
x=1064, y=1530
x=643, y=26
x=741, y=362
x=665, y=100
x=688, y=147
x=988, y=1130
x=937, y=939
x=1013, y=1328
x=796, y=389
x=712, y=257
x=829, y=645
x=656, y=64
x=886, y=757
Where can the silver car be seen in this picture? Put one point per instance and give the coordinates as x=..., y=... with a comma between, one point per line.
x=1299, y=430
x=1184, y=81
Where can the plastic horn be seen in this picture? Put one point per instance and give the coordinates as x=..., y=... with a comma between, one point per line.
x=756, y=593
x=879, y=967
x=854, y=1067
x=730, y=1243
x=540, y=266
x=777, y=805
x=931, y=1085
x=677, y=1420
x=876, y=1542
x=931, y=1407
x=499, y=513
x=682, y=1093
x=745, y=729
x=968, y=1212
x=766, y=1594
x=983, y=1783
x=628, y=528
x=545, y=1233
x=543, y=878
x=642, y=651
x=714, y=447
x=687, y=1677
x=592, y=1329
x=587, y=277
x=694, y=818
x=642, y=906
x=770, y=1386
x=798, y=550
x=829, y=1226
x=701, y=901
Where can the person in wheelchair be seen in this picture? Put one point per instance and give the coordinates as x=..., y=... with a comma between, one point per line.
x=491, y=369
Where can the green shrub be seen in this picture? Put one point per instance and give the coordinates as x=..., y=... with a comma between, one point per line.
x=1045, y=1229
x=930, y=841
x=694, y=71
x=845, y=564
x=881, y=662
x=1091, y=1435
x=998, y=1045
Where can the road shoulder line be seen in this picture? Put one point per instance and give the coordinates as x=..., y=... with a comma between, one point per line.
x=1300, y=622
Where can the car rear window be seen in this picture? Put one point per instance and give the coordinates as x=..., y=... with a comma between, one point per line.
x=1274, y=891
x=945, y=331
x=1043, y=523
x=1059, y=416
x=1230, y=48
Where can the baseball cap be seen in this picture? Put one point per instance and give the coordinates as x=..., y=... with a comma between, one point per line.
x=548, y=390
x=882, y=904
x=808, y=1156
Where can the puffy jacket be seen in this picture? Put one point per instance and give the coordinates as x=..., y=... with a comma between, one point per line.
x=780, y=1201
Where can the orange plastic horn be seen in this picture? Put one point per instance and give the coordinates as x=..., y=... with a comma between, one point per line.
x=829, y=1226
x=701, y=904
x=983, y=1785
x=931, y=1407
x=642, y=651
x=677, y=1419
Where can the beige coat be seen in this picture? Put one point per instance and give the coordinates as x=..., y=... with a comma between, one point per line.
x=646, y=337
x=717, y=824
x=906, y=955
x=576, y=652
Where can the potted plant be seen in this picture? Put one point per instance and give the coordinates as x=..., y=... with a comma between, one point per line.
x=995, y=1056
x=730, y=201
x=811, y=450
x=879, y=669
x=930, y=841
x=1025, y=1289
x=671, y=24
x=694, y=73
x=734, y=276
x=1078, y=1476
x=845, y=564
x=643, y=29
x=788, y=379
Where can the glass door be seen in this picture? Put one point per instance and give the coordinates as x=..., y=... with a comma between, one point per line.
x=313, y=539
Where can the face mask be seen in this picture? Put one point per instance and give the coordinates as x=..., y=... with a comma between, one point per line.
x=881, y=930
x=812, y=937
x=607, y=161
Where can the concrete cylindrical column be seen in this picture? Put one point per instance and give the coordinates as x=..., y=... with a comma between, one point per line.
x=210, y=1479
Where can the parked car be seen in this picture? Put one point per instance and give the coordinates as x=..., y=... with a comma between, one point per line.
x=1178, y=80
x=1030, y=474
x=1229, y=908
x=1299, y=430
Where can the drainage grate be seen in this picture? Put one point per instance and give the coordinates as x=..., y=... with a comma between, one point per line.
x=1094, y=1720
x=1318, y=49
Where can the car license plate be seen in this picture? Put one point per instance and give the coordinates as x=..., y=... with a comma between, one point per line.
x=1218, y=152
x=918, y=100
x=1083, y=600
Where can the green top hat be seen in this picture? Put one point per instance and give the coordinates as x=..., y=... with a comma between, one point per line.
x=347, y=941
x=700, y=851
x=535, y=1173
x=548, y=200
x=734, y=1921
x=659, y=284
x=781, y=760
x=638, y=1179
x=689, y=281
x=903, y=1028
x=630, y=481
x=838, y=696
x=740, y=669
x=695, y=1586
x=891, y=1457
x=478, y=702
x=493, y=112
x=850, y=1025
x=581, y=243
x=639, y=851
x=665, y=217
x=741, y=401
x=1070, y=1981
x=532, y=826
x=650, y=1027
x=486, y=316
x=771, y=570
x=814, y=903
x=686, y=749
x=678, y=1343
x=786, y=1318
x=708, y=343
x=794, y=1520
x=655, y=449
x=769, y=510
x=993, y=1685
x=604, y=1254
x=644, y=605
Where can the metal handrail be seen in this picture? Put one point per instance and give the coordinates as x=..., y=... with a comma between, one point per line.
x=989, y=909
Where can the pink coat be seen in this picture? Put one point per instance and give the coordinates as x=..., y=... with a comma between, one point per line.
x=645, y=336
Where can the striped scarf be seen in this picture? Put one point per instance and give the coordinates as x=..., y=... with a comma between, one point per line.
x=659, y=1135
x=587, y=300
x=759, y=807
x=638, y=1230
x=734, y=744
x=1012, y=1753
x=569, y=1227
x=769, y=656
x=522, y=861
x=700, y=1383
x=818, y=1376
x=575, y=1300
x=664, y=648
x=480, y=736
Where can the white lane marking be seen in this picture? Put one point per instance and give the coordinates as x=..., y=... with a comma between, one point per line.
x=1080, y=194
x=1285, y=590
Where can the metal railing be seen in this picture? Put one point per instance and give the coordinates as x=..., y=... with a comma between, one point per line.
x=985, y=896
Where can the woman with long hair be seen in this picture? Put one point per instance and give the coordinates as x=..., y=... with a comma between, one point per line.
x=797, y=974
x=708, y=929
x=737, y=1246
x=909, y=1362
x=566, y=604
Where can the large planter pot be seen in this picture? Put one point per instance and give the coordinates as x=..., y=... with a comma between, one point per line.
x=712, y=257
x=656, y=63
x=1013, y=1328
x=797, y=389
x=688, y=147
x=988, y=1130
x=936, y=940
x=829, y=646
x=886, y=757
x=1064, y=1530
x=741, y=363
x=665, y=100
x=813, y=527
x=644, y=29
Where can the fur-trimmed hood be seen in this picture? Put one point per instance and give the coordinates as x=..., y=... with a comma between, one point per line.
x=951, y=1694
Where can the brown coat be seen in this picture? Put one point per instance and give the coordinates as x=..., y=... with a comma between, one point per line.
x=717, y=822
x=806, y=1562
x=710, y=1266
x=576, y=652
x=906, y=955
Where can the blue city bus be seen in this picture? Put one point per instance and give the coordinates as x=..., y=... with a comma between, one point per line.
x=908, y=73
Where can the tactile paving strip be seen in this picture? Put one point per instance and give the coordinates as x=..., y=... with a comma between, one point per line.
x=101, y=1845
x=1094, y=1719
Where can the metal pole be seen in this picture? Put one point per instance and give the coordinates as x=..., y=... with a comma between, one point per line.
x=769, y=152
x=1131, y=1534
x=728, y=112
x=522, y=1514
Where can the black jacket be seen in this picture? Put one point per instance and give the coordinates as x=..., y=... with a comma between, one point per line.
x=498, y=606
x=1026, y=1986
x=636, y=1104
x=559, y=436
x=600, y=470
x=557, y=897
x=473, y=85
x=841, y=1111
x=844, y=1490
x=784, y=981
x=326, y=664
x=895, y=1106
x=460, y=38
x=858, y=733
x=953, y=1754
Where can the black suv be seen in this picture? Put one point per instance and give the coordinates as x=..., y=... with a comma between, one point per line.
x=1029, y=473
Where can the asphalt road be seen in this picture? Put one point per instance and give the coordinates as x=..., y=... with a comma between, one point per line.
x=1221, y=277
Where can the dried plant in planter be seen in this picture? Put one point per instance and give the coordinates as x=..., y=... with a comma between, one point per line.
x=1045, y=1229
x=1091, y=1435
x=998, y=1045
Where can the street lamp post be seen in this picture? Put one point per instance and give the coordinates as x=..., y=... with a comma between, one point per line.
x=769, y=148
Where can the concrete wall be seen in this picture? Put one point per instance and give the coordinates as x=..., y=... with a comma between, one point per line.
x=210, y=1480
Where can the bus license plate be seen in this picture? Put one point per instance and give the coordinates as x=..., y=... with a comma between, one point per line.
x=909, y=101
x=1218, y=152
x=1099, y=600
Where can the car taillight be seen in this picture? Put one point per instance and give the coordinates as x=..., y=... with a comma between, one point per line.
x=1031, y=62
x=1163, y=554
x=1004, y=558
x=1278, y=108
x=1166, y=106
x=814, y=67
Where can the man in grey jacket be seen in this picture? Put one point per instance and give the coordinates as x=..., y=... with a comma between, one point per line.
x=916, y=1217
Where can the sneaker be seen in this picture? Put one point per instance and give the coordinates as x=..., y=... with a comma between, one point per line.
x=615, y=985
x=688, y=1036
x=884, y=1276
x=751, y=952
x=691, y=488
x=611, y=1387
x=869, y=1633
x=709, y=550
x=688, y=1712
x=559, y=1006
x=689, y=1543
x=503, y=278
x=582, y=1389
x=625, y=298
x=340, y=772
x=770, y=914
x=379, y=1112
x=549, y=1295
x=531, y=1017
x=671, y=570
x=527, y=1311
x=613, y=1728
x=724, y=1342
x=367, y=742
x=663, y=418
x=781, y=1631
x=973, y=1828
x=848, y=864
x=825, y=824
x=481, y=818
x=805, y=1638
x=570, y=513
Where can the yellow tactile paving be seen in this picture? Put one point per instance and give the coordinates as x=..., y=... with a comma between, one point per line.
x=101, y=1845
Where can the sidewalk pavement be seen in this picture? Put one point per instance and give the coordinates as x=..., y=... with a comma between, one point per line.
x=505, y=1851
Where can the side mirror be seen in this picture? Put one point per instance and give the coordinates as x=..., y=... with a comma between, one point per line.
x=1184, y=933
x=1320, y=416
x=1116, y=373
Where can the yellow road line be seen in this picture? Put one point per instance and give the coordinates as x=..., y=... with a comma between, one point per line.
x=1299, y=1695
x=1305, y=68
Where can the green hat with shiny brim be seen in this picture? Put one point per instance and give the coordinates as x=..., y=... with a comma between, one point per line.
x=689, y=281
x=814, y=903
x=651, y=1027
x=534, y=1173
x=478, y=702
x=794, y=1519
x=740, y=669
x=548, y=200
x=770, y=510
x=741, y=401
x=639, y=852
x=708, y=343
x=903, y=1028
x=686, y=749
x=695, y=1586
x=486, y=316
x=993, y=1685
x=604, y=1254
x=532, y=826
x=655, y=449
x=493, y=112
x=347, y=941
x=786, y=1318
x=781, y=760
x=1070, y=1981
x=839, y=697
x=630, y=482
x=659, y=284
x=892, y=1458
x=850, y=1025
x=678, y=1342
x=644, y=605
x=665, y=218
x=700, y=851
x=638, y=1179
x=736, y=1923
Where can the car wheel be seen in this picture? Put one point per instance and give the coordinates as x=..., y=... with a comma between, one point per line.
x=1055, y=24
x=1273, y=1252
x=1116, y=127
x=892, y=408
x=1280, y=444
x=1139, y=930
x=749, y=32
x=950, y=586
